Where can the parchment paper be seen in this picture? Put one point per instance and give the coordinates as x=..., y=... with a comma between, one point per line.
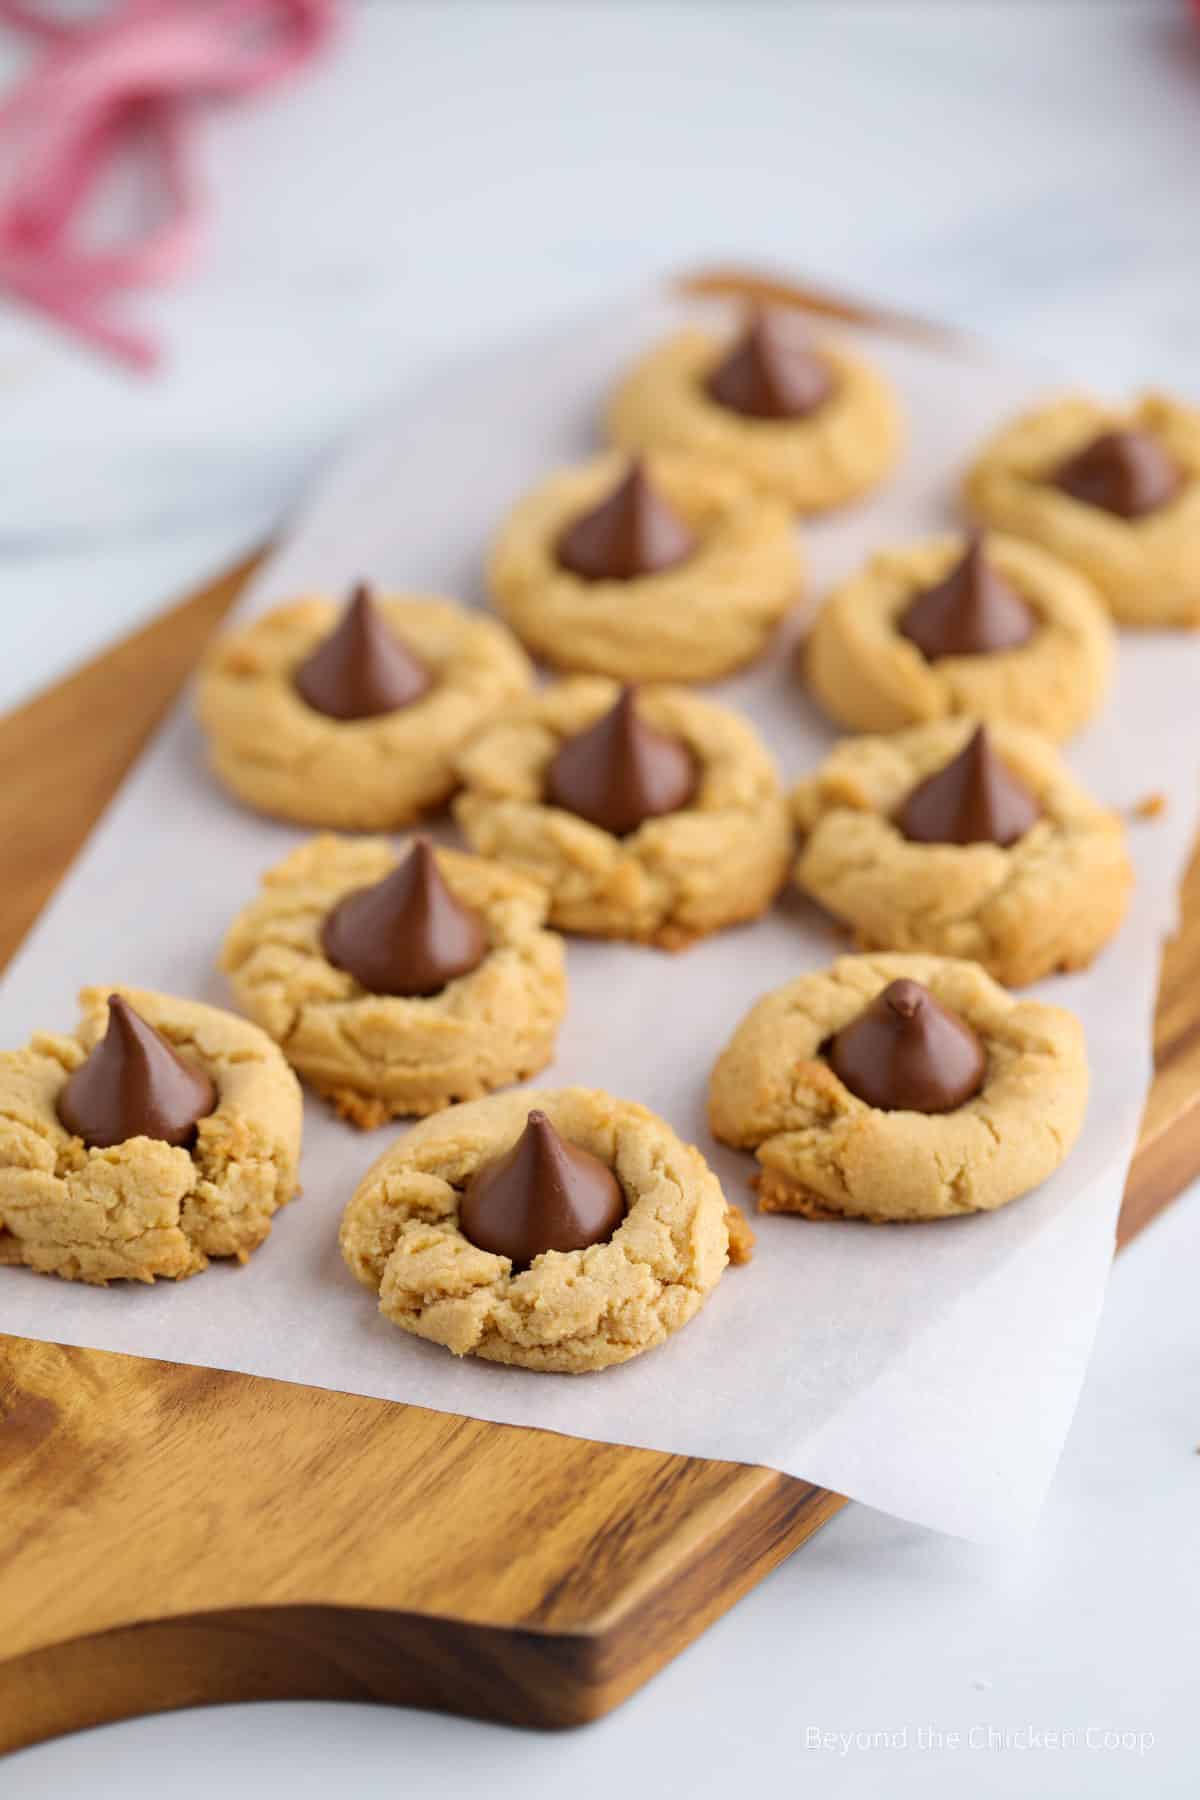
x=930, y=1370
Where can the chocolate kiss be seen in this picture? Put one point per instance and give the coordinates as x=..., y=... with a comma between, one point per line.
x=1123, y=472
x=621, y=771
x=361, y=669
x=407, y=934
x=543, y=1194
x=971, y=612
x=134, y=1085
x=974, y=799
x=907, y=1053
x=634, y=532
x=772, y=372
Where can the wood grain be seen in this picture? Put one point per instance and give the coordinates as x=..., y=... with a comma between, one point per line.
x=56, y=780
x=760, y=288
x=175, y=1536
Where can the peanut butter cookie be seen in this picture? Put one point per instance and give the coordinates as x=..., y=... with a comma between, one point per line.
x=814, y=427
x=362, y=740
x=1041, y=893
x=1113, y=492
x=567, y=1311
x=870, y=675
x=445, y=984
x=558, y=785
x=828, y=1153
x=161, y=1134
x=676, y=570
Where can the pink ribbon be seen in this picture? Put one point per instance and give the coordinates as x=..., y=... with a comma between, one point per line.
x=123, y=85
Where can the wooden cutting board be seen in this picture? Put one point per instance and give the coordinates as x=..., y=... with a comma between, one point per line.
x=176, y=1535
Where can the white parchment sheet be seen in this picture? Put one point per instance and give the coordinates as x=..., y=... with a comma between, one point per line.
x=930, y=1370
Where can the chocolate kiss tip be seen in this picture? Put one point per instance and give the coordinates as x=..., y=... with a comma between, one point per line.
x=972, y=611
x=907, y=1053
x=1129, y=473
x=133, y=1084
x=621, y=771
x=362, y=669
x=905, y=998
x=543, y=1194
x=772, y=371
x=974, y=799
x=407, y=935
x=632, y=532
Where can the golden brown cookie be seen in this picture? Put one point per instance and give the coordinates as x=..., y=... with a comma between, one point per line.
x=1146, y=568
x=742, y=1235
x=1047, y=902
x=694, y=621
x=827, y=1154
x=870, y=677
x=836, y=454
x=569, y=1311
x=279, y=755
x=719, y=860
x=377, y=1056
x=144, y=1208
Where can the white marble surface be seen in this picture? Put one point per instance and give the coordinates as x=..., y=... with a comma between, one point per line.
x=1027, y=169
